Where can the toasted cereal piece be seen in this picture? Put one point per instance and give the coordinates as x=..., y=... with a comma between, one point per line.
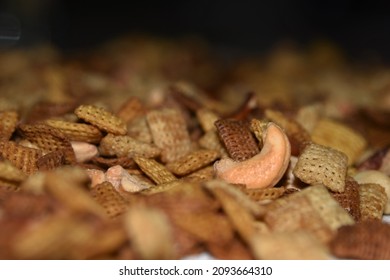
x=23, y=158
x=131, y=109
x=210, y=141
x=49, y=139
x=367, y=240
x=298, y=245
x=150, y=233
x=126, y=146
x=102, y=119
x=308, y=116
x=339, y=136
x=139, y=130
x=297, y=135
x=9, y=172
x=319, y=164
x=296, y=213
x=77, y=131
x=373, y=200
x=263, y=194
x=8, y=123
x=169, y=132
x=206, y=119
x=375, y=177
x=112, y=202
x=237, y=139
x=51, y=160
x=192, y=162
x=125, y=162
x=350, y=198
x=204, y=174
x=155, y=170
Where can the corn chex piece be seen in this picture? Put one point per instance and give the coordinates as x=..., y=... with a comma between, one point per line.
x=204, y=174
x=237, y=139
x=107, y=196
x=296, y=134
x=367, y=240
x=373, y=200
x=350, y=198
x=126, y=146
x=155, y=170
x=299, y=245
x=22, y=157
x=338, y=136
x=49, y=139
x=77, y=131
x=102, y=119
x=192, y=162
x=318, y=164
x=139, y=130
x=169, y=132
x=8, y=123
x=263, y=194
x=9, y=172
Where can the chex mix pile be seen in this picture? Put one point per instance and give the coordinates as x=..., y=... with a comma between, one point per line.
x=153, y=149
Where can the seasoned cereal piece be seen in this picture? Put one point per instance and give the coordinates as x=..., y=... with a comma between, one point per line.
x=319, y=164
x=131, y=109
x=102, y=119
x=8, y=123
x=155, y=170
x=22, y=157
x=350, y=198
x=373, y=200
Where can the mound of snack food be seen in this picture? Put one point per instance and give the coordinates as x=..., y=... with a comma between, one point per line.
x=156, y=149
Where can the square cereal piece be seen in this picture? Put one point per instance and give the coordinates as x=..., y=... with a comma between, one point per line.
x=154, y=170
x=169, y=133
x=22, y=157
x=373, y=200
x=322, y=165
x=8, y=123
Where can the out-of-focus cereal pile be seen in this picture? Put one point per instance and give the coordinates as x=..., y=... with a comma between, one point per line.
x=153, y=149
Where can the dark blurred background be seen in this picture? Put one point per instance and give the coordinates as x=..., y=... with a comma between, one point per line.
x=362, y=28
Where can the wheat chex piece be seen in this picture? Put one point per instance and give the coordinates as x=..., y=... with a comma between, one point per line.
x=155, y=170
x=297, y=135
x=8, y=123
x=367, y=240
x=107, y=196
x=210, y=141
x=150, y=232
x=237, y=139
x=299, y=245
x=49, y=139
x=373, y=200
x=192, y=162
x=350, y=198
x=131, y=109
x=22, y=157
x=77, y=131
x=126, y=146
x=102, y=119
x=341, y=137
x=319, y=164
x=170, y=133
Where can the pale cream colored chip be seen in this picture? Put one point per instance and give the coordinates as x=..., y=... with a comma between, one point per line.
x=169, y=132
x=339, y=136
x=319, y=164
x=126, y=146
x=102, y=119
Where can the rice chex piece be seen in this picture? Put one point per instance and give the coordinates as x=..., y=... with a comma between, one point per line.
x=192, y=162
x=367, y=240
x=373, y=200
x=49, y=139
x=126, y=146
x=170, y=133
x=102, y=119
x=8, y=123
x=22, y=157
x=350, y=198
x=139, y=130
x=318, y=164
x=237, y=138
x=155, y=170
x=77, y=131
